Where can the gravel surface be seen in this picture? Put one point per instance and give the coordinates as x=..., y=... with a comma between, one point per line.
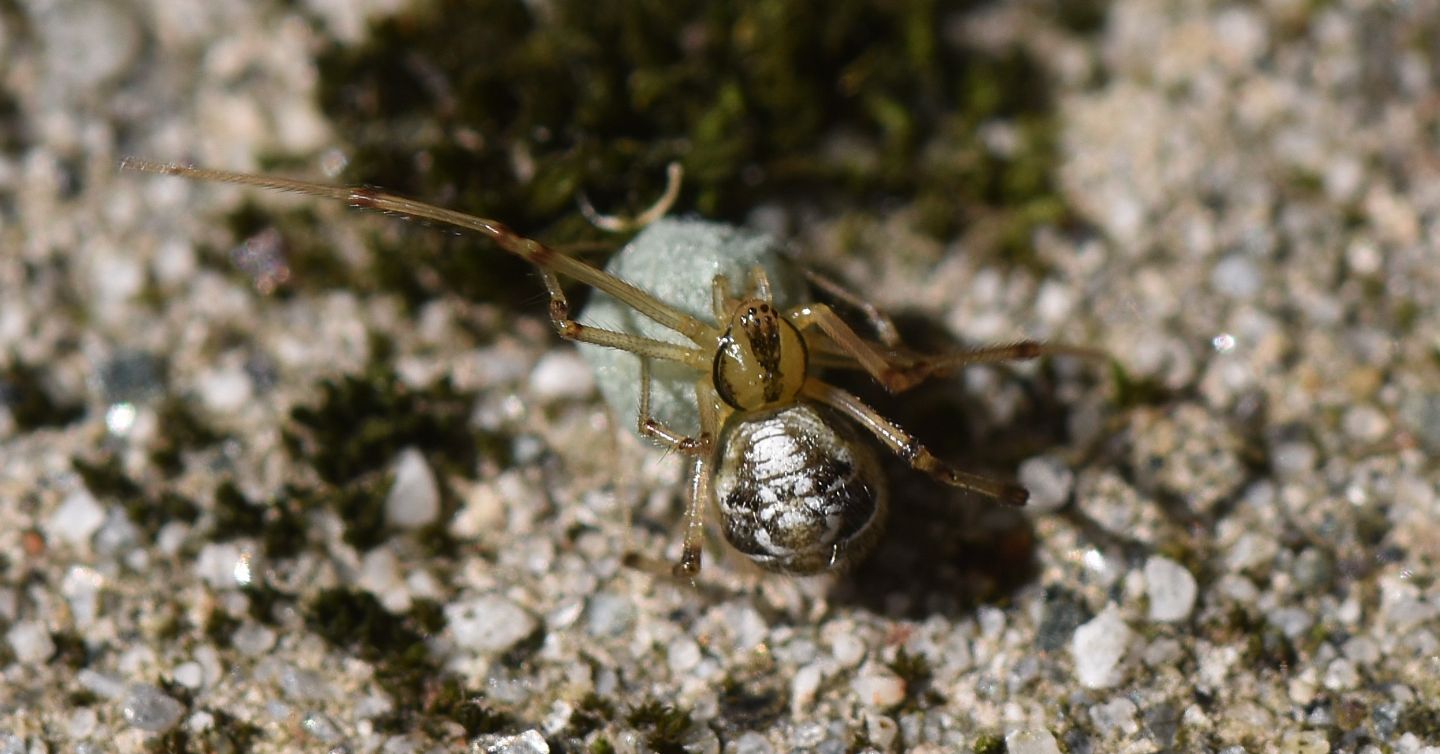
x=223, y=527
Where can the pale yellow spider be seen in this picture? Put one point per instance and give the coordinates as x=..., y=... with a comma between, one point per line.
x=796, y=490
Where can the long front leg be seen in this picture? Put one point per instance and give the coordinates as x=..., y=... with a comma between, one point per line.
x=532, y=251
x=645, y=348
x=905, y=445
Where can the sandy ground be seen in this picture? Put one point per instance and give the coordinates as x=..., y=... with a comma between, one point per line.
x=1236, y=550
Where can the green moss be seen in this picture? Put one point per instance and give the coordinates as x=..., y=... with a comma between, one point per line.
x=1406, y=314
x=860, y=742
x=917, y=672
x=279, y=525
x=169, y=506
x=591, y=713
x=665, y=727
x=1421, y=720
x=466, y=707
x=70, y=650
x=235, y=515
x=15, y=133
x=429, y=615
x=407, y=673
x=523, y=649
x=1351, y=714
x=990, y=743
x=104, y=477
x=308, y=250
x=1266, y=647
x=355, y=620
x=361, y=506
x=173, y=741
x=437, y=541
x=264, y=600
x=353, y=434
x=32, y=405
x=1084, y=16
x=1132, y=393
x=181, y=430
x=754, y=98
x=363, y=421
x=423, y=694
x=602, y=746
x=219, y=627
x=82, y=697
x=752, y=704
x=228, y=735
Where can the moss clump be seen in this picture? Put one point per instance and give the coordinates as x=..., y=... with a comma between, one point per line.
x=1421, y=720
x=424, y=695
x=104, y=478
x=466, y=707
x=1132, y=393
x=355, y=620
x=181, y=429
x=219, y=627
x=917, y=672
x=990, y=744
x=264, y=600
x=1265, y=646
x=32, y=405
x=359, y=426
x=279, y=525
x=752, y=704
x=591, y=713
x=308, y=252
x=363, y=421
x=226, y=735
x=173, y=741
x=70, y=650
x=846, y=101
x=665, y=727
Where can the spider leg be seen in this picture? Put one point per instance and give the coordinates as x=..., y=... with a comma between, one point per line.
x=652, y=428
x=530, y=250
x=925, y=366
x=646, y=348
x=870, y=358
x=897, y=369
x=880, y=322
x=720, y=299
x=700, y=484
x=760, y=283
x=692, y=550
x=905, y=445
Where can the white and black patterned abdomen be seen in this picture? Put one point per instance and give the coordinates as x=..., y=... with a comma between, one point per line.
x=797, y=490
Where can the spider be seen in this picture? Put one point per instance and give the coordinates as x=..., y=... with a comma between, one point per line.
x=778, y=454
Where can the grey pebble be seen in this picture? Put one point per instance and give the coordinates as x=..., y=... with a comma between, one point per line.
x=148, y=708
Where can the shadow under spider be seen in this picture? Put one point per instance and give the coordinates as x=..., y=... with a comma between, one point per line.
x=944, y=550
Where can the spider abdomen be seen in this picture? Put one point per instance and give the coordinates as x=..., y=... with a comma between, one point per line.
x=797, y=490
